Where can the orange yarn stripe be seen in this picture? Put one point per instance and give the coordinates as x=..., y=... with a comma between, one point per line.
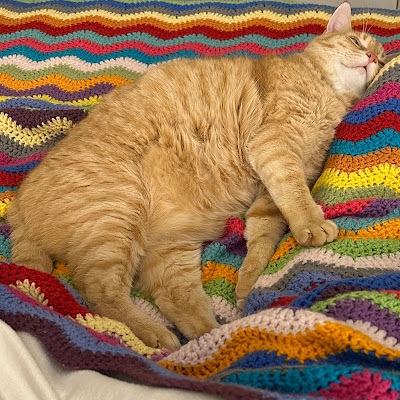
x=289, y=244
x=348, y=163
x=330, y=338
x=8, y=194
x=62, y=82
x=213, y=270
x=386, y=230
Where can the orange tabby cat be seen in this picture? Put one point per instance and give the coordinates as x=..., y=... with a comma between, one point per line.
x=157, y=167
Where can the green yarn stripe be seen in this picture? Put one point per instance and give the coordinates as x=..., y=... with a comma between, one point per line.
x=383, y=300
x=330, y=195
x=221, y=287
x=67, y=71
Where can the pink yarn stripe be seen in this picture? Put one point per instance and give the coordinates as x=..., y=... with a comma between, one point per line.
x=151, y=50
x=361, y=386
x=388, y=91
x=6, y=160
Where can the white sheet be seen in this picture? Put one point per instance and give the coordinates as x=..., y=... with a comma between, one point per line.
x=27, y=372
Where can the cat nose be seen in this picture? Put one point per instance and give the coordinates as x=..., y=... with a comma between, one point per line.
x=372, y=57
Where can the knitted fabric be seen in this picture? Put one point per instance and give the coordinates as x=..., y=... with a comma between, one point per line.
x=320, y=322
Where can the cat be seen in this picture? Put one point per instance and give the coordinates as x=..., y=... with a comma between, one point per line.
x=159, y=165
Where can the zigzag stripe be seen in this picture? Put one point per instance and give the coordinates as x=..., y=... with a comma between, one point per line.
x=312, y=380
x=319, y=342
x=381, y=299
x=76, y=45
x=330, y=195
x=35, y=118
x=378, y=311
x=184, y=51
x=383, y=174
x=66, y=78
x=172, y=8
x=34, y=136
x=361, y=117
x=18, y=102
x=346, y=163
x=345, y=246
x=73, y=67
x=383, y=138
x=20, y=151
x=52, y=92
x=386, y=174
x=389, y=90
x=322, y=259
x=363, y=130
x=171, y=31
x=44, y=98
x=373, y=225
x=101, y=41
x=379, y=282
x=154, y=17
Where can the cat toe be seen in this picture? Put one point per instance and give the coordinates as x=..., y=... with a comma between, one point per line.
x=317, y=233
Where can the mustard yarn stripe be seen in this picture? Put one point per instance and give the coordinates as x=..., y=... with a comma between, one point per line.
x=110, y=326
x=34, y=136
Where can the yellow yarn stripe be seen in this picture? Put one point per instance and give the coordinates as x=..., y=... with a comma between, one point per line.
x=106, y=325
x=4, y=206
x=34, y=136
x=194, y=17
x=384, y=174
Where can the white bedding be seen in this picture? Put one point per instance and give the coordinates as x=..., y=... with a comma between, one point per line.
x=27, y=372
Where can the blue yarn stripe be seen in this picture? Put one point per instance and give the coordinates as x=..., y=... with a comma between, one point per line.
x=374, y=110
x=378, y=282
x=382, y=139
x=354, y=224
x=155, y=41
x=19, y=168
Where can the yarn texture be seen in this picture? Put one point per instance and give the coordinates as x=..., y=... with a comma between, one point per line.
x=321, y=322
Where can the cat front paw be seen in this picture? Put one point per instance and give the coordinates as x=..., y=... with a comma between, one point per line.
x=315, y=232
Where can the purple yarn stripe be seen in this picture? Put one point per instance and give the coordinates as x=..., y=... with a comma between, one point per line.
x=5, y=230
x=379, y=208
x=364, y=310
x=59, y=94
x=32, y=118
x=235, y=244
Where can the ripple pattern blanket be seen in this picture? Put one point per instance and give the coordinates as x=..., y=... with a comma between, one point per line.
x=320, y=322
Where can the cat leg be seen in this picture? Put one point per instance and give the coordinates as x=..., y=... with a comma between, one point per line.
x=105, y=281
x=25, y=249
x=277, y=158
x=265, y=226
x=173, y=277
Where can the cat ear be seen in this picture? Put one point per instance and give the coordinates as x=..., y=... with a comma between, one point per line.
x=341, y=19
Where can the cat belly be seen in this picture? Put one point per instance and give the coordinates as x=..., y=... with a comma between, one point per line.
x=193, y=199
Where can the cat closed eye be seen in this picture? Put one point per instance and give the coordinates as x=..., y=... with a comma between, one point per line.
x=355, y=41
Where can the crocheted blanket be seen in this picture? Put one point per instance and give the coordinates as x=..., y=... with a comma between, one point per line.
x=320, y=322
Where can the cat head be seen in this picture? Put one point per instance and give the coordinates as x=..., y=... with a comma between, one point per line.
x=351, y=59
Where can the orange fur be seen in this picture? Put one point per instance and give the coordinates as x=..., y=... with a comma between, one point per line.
x=158, y=166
